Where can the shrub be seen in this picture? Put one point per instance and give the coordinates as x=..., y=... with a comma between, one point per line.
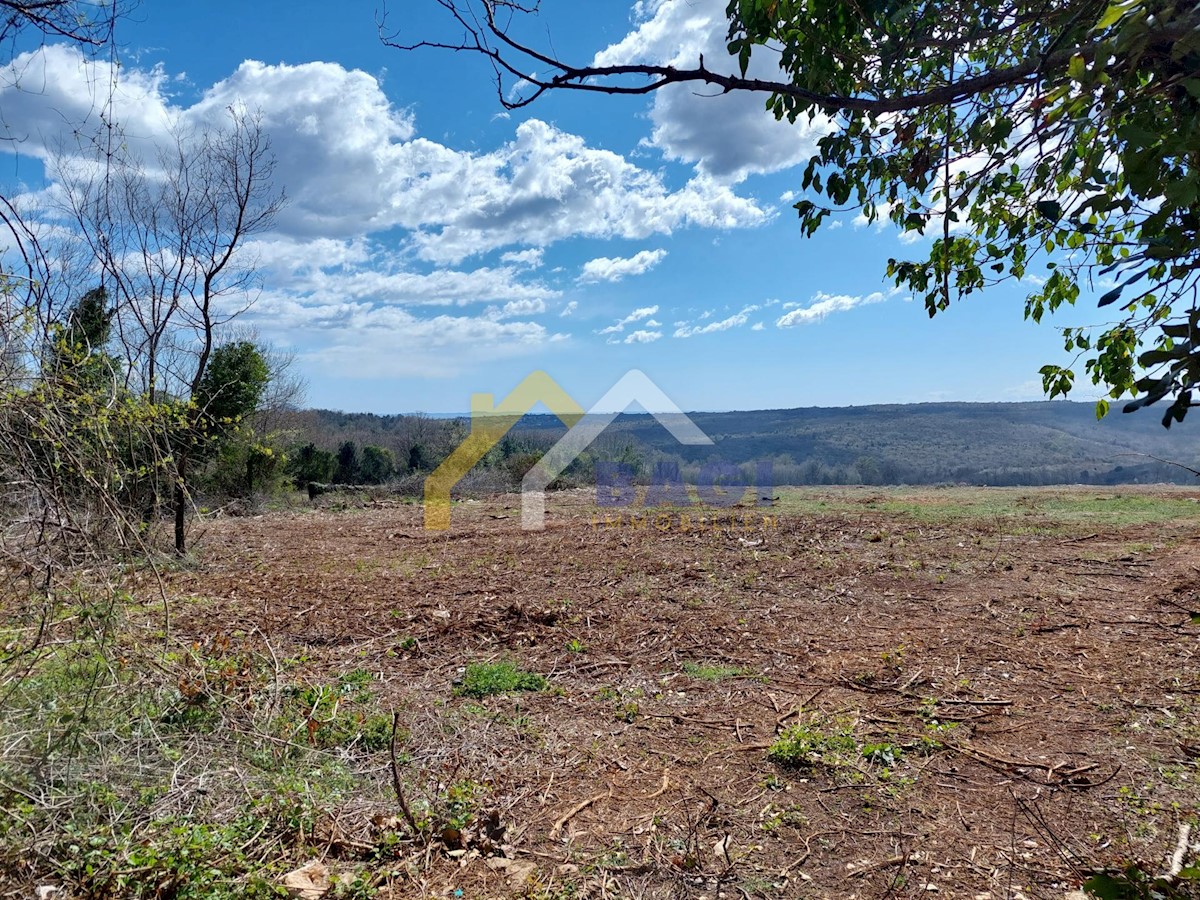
x=503, y=677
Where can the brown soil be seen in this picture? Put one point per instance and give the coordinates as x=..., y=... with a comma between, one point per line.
x=1035, y=690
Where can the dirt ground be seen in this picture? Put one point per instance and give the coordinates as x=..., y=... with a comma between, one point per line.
x=994, y=704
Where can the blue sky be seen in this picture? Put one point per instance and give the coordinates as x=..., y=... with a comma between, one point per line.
x=434, y=246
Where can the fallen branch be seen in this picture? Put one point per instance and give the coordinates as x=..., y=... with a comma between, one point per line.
x=576, y=810
x=1055, y=773
x=1185, y=832
x=662, y=790
x=882, y=864
x=737, y=748
x=796, y=708
x=969, y=702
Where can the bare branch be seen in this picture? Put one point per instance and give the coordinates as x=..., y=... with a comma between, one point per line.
x=492, y=40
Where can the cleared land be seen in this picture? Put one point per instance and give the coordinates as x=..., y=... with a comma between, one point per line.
x=982, y=692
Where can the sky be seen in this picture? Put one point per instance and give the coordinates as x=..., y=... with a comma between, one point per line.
x=434, y=245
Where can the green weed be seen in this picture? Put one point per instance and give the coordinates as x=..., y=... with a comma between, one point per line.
x=815, y=741
x=503, y=677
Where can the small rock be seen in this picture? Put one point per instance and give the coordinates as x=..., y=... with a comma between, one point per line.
x=309, y=882
x=519, y=871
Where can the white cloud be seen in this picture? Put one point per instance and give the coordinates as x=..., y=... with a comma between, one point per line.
x=371, y=341
x=637, y=315
x=734, y=321
x=359, y=269
x=380, y=218
x=548, y=185
x=516, y=308
x=757, y=326
x=643, y=337
x=606, y=268
x=531, y=257
x=354, y=164
x=749, y=139
x=823, y=304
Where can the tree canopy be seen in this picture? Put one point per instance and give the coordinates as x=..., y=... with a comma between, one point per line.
x=1023, y=137
x=232, y=386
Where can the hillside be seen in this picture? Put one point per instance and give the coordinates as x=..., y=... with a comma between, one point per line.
x=974, y=443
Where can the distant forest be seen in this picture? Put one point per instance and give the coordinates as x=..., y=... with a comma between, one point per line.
x=931, y=443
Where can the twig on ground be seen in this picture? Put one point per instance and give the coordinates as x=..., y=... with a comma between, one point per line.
x=897, y=860
x=396, y=785
x=574, y=811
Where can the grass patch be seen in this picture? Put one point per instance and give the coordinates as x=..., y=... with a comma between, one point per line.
x=189, y=771
x=708, y=672
x=1097, y=507
x=503, y=677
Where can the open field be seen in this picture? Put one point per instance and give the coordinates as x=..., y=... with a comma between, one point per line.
x=855, y=692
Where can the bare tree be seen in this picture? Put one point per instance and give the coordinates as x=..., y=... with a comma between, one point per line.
x=88, y=26
x=170, y=243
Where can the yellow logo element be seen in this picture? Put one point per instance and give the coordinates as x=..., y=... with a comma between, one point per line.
x=489, y=424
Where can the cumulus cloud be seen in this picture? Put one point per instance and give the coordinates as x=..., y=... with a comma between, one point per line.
x=367, y=340
x=570, y=308
x=547, y=185
x=637, y=315
x=516, y=308
x=360, y=269
x=531, y=257
x=823, y=304
x=749, y=140
x=354, y=164
x=381, y=221
x=606, y=268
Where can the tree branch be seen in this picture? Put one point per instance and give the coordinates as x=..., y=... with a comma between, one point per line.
x=588, y=78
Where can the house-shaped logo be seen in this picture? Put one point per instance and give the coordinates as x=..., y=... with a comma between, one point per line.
x=490, y=422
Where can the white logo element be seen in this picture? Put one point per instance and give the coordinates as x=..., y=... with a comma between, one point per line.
x=634, y=387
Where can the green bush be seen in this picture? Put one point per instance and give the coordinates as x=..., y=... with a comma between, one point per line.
x=503, y=677
x=815, y=741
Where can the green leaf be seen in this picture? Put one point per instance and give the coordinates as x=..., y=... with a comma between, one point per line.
x=1050, y=209
x=1106, y=888
x=1114, y=14
x=1112, y=296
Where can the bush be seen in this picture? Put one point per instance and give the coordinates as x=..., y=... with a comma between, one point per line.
x=503, y=677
